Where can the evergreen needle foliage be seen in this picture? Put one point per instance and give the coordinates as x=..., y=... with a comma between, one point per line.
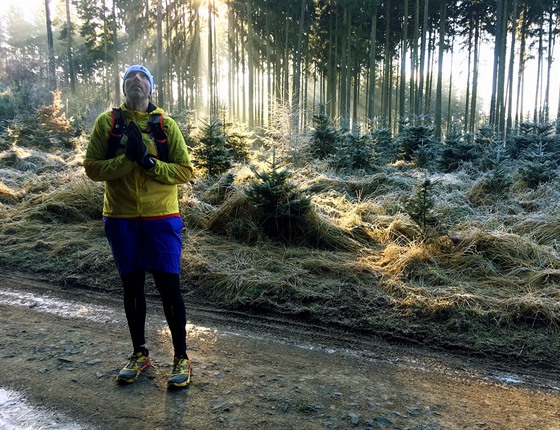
x=538, y=166
x=325, y=137
x=282, y=206
x=355, y=152
x=420, y=207
x=238, y=142
x=211, y=152
x=384, y=145
x=412, y=137
x=457, y=151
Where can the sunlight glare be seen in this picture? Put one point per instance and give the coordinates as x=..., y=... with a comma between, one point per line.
x=30, y=9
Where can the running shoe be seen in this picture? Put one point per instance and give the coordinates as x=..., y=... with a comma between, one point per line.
x=137, y=363
x=181, y=375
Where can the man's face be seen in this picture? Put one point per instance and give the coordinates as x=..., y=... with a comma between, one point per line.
x=136, y=86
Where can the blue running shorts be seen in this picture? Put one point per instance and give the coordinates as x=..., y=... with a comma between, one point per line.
x=149, y=244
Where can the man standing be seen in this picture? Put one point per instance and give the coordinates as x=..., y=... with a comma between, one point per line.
x=141, y=217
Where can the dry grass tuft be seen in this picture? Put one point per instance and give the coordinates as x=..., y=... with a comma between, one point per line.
x=236, y=218
x=7, y=196
x=397, y=229
x=74, y=202
x=370, y=186
x=507, y=252
x=239, y=219
x=544, y=229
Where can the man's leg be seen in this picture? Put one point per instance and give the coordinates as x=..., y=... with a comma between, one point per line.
x=135, y=306
x=135, y=310
x=169, y=287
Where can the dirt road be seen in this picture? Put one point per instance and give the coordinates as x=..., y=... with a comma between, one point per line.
x=62, y=350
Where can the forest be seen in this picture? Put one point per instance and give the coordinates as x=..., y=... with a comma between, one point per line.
x=365, y=60
x=385, y=167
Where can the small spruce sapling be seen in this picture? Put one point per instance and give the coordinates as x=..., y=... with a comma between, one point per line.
x=355, y=152
x=411, y=138
x=537, y=166
x=420, y=205
x=457, y=150
x=211, y=152
x=325, y=136
x=281, y=204
x=499, y=178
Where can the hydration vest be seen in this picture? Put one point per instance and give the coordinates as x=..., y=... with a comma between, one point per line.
x=118, y=131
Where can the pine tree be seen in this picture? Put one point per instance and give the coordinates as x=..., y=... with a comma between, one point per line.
x=211, y=153
x=325, y=136
x=384, y=145
x=457, y=151
x=411, y=138
x=238, y=142
x=420, y=207
x=281, y=204
x=354, y=152
x=499, y=179
x=537, y=167
x=531, y=134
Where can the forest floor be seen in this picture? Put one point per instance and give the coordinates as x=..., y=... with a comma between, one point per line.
x=62, y=353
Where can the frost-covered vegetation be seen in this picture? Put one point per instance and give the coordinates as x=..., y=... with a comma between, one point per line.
x=453, y=244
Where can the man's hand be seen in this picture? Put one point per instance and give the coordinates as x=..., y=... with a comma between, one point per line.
x=135, y=150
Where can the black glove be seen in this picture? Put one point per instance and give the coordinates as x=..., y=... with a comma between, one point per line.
x=135, y=150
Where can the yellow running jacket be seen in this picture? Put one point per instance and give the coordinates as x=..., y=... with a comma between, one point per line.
x=131, y=191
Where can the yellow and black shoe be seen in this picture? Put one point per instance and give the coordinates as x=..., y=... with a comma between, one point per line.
x=137, y=363
x=181, y=375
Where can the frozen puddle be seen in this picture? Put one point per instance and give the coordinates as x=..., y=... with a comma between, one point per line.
x=17, y=414
x=59, y=307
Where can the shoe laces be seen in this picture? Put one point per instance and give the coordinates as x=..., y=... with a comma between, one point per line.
x=133, y=359
x=181, y=365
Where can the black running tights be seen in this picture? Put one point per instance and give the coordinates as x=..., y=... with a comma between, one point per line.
x=169, y=287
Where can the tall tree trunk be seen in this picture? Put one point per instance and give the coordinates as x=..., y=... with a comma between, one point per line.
x=509, y=120
x=159, y=54
x=497, y=47
x=476, y=59
x=439, y=84
x=421, y=78
x=549, y=60
x=497, y=114
x=50, y=45
x=105, y=39
x=521, y=73
x=286, y=67
x=332, y=62
x=450, y=91
x=116, y=77
x=387, y=69
x=343, y=69
x=355, y=93
x=269, y=74
x=243, y=74
x=231, y=62
x=469, y=69
x=414, y=60
x=538, y=84
x=372, y=54
x=71, y=73
x=430, y=72
x=402, y=95
x=501, y=117
x=210, y=65
x=348, y=82
x=296, y=107
x=250, y=66
x=192, y=86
